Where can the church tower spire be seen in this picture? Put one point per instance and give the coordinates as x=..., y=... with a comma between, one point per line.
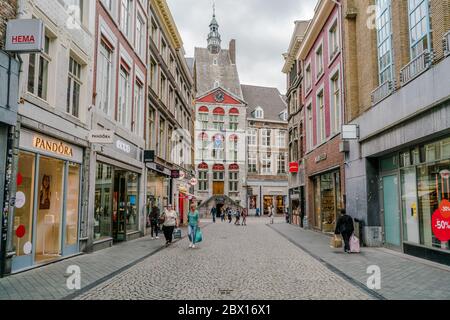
x=214, y=39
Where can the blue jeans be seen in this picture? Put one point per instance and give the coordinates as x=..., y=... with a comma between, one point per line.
x=192, y=232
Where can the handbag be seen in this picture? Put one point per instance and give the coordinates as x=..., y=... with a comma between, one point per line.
x=355, y=247
x=336, y=242
x=198, y=236
x=177, y=234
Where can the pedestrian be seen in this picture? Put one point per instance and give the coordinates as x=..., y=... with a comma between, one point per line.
x=244, y=217
x=154, y=220
x=230, y=218
x=345, y=227
x=238, y=217
x=258, y=211
x=222, y=214
x=272, y=214
x=169, y=224
x=193, y=220
x=214, y=214
x=287, y=215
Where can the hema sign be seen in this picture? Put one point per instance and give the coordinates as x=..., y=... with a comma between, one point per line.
x=24, y=36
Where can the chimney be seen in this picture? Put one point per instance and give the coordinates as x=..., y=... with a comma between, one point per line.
x=232, y=50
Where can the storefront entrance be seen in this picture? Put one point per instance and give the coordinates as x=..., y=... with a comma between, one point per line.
x=46, y=217
x=391, y=211
x=116, y=203
x=327, y=201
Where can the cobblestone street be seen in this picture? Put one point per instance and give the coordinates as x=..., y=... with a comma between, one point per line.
x=252, y=262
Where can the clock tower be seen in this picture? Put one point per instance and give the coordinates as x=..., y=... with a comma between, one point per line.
x=214, y=39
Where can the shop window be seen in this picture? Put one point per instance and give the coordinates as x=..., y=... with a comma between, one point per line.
x=327, y=201
x=72, y=205
x=49, y=209
x=103, y=191
x=132, y=202
x=23, y=214
x=389, y=164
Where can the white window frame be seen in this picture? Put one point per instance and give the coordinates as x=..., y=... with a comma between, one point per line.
x=320, y=116
x=39, y=59
x=335, y=113
x=309, y=126
x=318, y=58
x=126, y=18
x=139, y=99
x=266, y=163
x=123, y=110
x=74, y=80
x=334, y=42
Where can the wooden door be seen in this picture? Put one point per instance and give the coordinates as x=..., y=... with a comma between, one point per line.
x=218, y=188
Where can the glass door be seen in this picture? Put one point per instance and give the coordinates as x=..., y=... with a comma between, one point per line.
x=391, y=211
x=72, y=209
x=48, y=219
x=410, y=206
x=119, y=206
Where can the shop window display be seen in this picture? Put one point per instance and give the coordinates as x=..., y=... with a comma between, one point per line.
x=72, y=205
x=23, y=214
x=49, y=210
x=103, y=191
x=133, y=203
x=327, y=201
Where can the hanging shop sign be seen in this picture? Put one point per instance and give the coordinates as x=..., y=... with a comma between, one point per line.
x=293, y=167
x=101, y=137
x=441, y=222
x=193, y=182
x=55, y=147
x=24, y=36
x=175, y=174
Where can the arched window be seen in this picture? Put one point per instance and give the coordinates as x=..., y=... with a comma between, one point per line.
x=234, y=119
x=233, y=177
x=218, y=119
x=218, y=147
x=203, y=117
x=203, y=176
x=234, y=111
x=219, y=172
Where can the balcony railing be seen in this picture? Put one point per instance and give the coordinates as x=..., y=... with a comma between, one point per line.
x=416, y=67
x=382, y=92
x=446, y=41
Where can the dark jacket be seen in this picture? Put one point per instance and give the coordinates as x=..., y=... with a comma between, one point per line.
x=344, y=225
x=154, y=215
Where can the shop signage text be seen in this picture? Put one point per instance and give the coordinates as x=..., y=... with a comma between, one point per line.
x=441, y=222
x=52, y=146
x=149, y=156
x=101, y=137
x=123, y=146
x=24, y=36
x=321, y=158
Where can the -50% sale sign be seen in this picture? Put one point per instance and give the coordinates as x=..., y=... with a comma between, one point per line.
x=441, y=222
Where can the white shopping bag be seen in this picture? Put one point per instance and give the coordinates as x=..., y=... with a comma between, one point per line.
x=354, y=245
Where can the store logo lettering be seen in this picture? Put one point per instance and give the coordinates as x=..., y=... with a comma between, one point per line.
x=123, y=146
x=55, y=147
x=23, y=39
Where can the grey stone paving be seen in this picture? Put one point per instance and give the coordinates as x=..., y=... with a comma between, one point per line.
x=49, y=282
x=233, y=263
x=402, y=277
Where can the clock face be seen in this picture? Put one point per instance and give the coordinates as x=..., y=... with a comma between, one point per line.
x=219, y=96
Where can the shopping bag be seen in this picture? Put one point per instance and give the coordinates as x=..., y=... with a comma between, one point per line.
x=198, y=236
x=177, y=234
x=336, y=242
x=355, y=247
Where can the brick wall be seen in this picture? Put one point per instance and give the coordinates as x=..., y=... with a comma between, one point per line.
x=361, y=69
x=335, y=159
x=440, y=21
x=8, y=9
x=400, y=29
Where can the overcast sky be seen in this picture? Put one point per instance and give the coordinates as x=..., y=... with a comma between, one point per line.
x=262, y=29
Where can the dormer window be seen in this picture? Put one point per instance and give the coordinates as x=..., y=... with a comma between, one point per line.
x=284, y=116
x=258, y=113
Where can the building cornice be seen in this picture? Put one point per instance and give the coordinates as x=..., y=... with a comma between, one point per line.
x=321, y=14
x=169, y=23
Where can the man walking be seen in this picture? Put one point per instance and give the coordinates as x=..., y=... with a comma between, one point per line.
x=346, y=228
x=244, y=217
x=154, y=219
x=214, y=214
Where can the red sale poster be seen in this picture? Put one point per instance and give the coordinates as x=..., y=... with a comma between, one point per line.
x=441, y=222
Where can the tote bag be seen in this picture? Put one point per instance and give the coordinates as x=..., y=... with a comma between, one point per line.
x=198, y=236
x=354, y=245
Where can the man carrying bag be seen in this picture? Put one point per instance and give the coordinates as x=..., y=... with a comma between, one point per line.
x=346, y=228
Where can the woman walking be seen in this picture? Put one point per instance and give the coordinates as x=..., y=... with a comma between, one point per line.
x=193, y=220
x=244, y=217
x=169, y=224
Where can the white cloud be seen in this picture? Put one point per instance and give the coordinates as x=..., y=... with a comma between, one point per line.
x=262, y=29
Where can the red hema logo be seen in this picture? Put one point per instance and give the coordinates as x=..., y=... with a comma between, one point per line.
x=23, y=39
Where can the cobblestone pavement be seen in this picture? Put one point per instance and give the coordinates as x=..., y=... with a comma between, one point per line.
x=233, y=263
